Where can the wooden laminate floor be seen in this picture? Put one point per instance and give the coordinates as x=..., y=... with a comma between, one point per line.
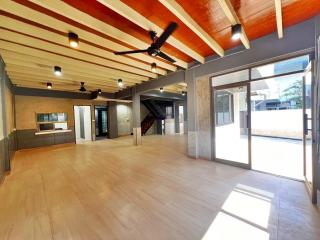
x=110, y=189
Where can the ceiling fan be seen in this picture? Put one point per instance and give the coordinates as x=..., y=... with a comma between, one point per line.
x=157, y=42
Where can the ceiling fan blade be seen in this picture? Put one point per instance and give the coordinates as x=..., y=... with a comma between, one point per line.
x=129, y=52
x=167, y=32
x=166, y=57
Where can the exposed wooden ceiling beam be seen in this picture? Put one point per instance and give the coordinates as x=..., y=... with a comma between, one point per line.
x=19, y=59
x=46, y=35
x=45, y=20
x=180, y=13
x=31, y=79
x=233, y=18
x=135, y=17
x=70, y=53
x=58, y=84
x=65, y=79
x=61, y=60
x=278, y=8
x=61, y=87
x=46, y=75
x=85, y=19
x=66, y=72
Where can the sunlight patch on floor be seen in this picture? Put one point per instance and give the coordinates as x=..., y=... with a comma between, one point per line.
x=244, y=215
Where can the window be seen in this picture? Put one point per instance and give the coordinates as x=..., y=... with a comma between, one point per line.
x=229, y=78
x=224, y=108
x=281, y=67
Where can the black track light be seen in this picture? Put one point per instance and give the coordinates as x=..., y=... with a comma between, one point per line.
x=236, y=31
x=49, y=85
x=161, y=89
x=57, y=70
x=99, y=91
x=120, y=83
x=73, y=40
x=82, y=88
x=154, y=67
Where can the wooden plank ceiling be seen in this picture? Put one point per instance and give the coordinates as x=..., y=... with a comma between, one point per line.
x=33, y=36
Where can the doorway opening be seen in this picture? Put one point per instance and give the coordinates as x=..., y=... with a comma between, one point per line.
x=82, y=121
x=101, y=120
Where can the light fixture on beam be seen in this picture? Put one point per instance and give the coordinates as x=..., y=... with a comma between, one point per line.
x=183, y=93
x=73, y=40
x=99, y=91
x=49, y=85
x=82, y=88
x=161, y=89
x=236, y=31
x=57, y=70
x=154, y=67
x=120, y=83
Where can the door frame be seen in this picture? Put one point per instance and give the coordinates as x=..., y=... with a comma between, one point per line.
x=94, y=112
x=213, y=123
x=74, y=121
x=311, y=187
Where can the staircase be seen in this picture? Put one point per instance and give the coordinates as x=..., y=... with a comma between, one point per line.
x=157, y=112
x=147, y=123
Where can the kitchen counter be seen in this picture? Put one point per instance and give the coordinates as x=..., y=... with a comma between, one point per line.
x=52, y=132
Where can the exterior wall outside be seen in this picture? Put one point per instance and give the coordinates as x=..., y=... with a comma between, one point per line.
x=124, y=116
x=278, y=123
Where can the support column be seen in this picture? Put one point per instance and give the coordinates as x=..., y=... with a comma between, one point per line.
x=136, y=118
x=185, y=115
x=192, y=109
x=176, y=117
x=112, y=120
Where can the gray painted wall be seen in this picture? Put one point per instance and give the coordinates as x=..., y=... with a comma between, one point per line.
x=7, y=139
x=112, y=119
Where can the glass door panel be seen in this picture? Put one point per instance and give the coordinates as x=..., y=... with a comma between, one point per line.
x=308, y=135
x=231, y=125
x=276, y=125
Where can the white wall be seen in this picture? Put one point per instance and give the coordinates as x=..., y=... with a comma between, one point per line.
x=169, y=126
x=124, y=116
x=77, y=122
x=87, y=122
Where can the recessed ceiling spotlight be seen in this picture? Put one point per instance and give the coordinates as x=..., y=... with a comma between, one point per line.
x=120, y=83
x=161, y=89
x=73, y=40
x=99, y=91
x=57, y=70
x=49, y=85
x=236, y=31
x=82, y=88
x=154, y=67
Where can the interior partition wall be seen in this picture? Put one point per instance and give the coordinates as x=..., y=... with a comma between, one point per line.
x=262, y=119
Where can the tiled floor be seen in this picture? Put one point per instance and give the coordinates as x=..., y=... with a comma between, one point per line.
x=110, y=189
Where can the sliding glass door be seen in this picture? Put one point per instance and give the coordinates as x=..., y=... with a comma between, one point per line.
x=231, y=131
